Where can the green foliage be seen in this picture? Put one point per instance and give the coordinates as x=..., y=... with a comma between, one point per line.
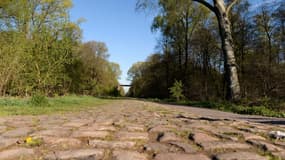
x=177, y=90
x=71, y=103
x=92, y=73
x=13, y=102
x=41, y=51
x=258, y=41
x=237, y=108
x=39, y=100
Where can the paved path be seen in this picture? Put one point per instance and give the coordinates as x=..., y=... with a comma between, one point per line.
x=137, y=130
x=227, y=115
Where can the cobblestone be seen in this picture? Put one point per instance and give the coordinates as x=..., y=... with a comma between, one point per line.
x=136, y=130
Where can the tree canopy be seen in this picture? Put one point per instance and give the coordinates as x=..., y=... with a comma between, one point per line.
x=41, y=51
x=192, y=51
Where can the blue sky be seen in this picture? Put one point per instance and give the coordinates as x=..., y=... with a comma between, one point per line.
x=125, y=31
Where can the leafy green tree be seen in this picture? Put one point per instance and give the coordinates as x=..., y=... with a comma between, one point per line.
x=221, y=10
x=46, y=39
x=95, y=75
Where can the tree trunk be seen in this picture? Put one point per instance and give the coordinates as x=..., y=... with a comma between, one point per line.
x=230, y=66
x=231, y=75
x=180, y=58
x=205, y=71
x=186, y=45
x=283, y=40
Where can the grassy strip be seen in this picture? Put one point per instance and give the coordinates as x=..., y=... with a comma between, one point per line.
x=240, y=109
x=25, y=106
x=230, y=107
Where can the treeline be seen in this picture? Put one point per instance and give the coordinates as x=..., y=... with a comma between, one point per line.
x=190, y=51
x=41, y=52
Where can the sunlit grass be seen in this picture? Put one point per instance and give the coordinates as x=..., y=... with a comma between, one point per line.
x=240, y=109
x=229, y=107
x=22, y=106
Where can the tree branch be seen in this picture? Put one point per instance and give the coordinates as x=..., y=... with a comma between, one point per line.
x=230, y=6
x=206, y=4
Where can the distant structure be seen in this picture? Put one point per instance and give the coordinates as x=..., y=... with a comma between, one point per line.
x=125, y=85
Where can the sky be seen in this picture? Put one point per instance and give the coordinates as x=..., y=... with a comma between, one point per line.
x=125, y=31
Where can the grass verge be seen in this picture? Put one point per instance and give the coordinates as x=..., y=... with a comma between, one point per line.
x=230, y=107
x=240, y=109
x=71, y=103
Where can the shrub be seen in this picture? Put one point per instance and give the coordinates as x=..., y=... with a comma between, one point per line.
x=38, y=100
x=177, y=90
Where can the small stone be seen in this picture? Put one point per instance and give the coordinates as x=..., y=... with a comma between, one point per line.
x=249, y=136
x=187, y=148
x=200, y=137
x=133, y=128
x=180, y=156
x=280, y=155
x=68, y=142
x=264, y=145
x=247, y=129
x=105, y=122
x=52, y=121
x=112, y=144
x=76, y=154
x=132, y=136
x=91, y=134
x=156, y=147
x=240, y=156
x=168, y=137
x=128, y=155
x=162, y=128
x=280, y=143
x=99, y=128
x=228, y=137
x=19, y=132
x=200, y=125
x=18, y=153
x=75, y=124
x=224, y=145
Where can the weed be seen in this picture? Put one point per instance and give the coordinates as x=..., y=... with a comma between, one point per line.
x=39, y=100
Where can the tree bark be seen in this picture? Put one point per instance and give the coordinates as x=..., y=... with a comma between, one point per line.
x=230, y=66
x=186, y=37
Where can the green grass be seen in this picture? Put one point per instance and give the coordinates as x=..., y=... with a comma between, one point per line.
x=230, y=107
x=238, y=108
x=23, y=106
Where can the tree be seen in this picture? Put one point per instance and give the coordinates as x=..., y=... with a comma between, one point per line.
x=95, y=75
x=222, y=11
x=41, y=52
x=242, y=38
x=279, y=16
x=177, y=21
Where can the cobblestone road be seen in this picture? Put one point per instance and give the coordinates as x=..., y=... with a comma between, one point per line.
x=137, y=130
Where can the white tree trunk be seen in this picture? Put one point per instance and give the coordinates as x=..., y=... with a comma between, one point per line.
x=230, y=66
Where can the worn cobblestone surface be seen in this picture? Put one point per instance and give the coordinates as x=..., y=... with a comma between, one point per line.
x=138, y=130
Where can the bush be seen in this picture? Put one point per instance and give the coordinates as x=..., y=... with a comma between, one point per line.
x=177, y=90
x=39, y=100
